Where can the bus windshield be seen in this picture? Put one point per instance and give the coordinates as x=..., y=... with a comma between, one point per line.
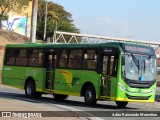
x=139, y=67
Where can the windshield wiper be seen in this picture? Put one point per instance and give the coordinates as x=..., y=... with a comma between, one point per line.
x=144, y=66
x=136, y=62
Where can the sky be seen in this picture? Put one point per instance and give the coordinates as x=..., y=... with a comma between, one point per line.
x=133, y=19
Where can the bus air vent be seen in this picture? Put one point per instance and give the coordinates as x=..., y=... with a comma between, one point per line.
x=138, y=97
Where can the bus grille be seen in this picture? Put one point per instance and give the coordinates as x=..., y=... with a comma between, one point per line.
x=136, y=84
x=138, y=97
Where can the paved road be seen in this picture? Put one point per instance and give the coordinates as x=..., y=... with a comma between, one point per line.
x=12, y=99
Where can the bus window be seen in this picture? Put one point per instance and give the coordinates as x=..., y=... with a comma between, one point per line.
x=22, y=58
x=35, y=58
x=113, y=65
x=90, y=60
x=63, y=59
x=105, y=64
x=10, y=57
x=55, y=61
x=110, y=64
x=75, y=58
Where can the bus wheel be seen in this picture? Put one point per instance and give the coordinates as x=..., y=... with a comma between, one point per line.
x=30, y=89
x=60, y=97
x=90, y=96
x=121, y=104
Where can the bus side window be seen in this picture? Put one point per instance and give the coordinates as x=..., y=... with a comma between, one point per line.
x=63, y=59
x=113, y=65
x=75, y=59
x=90, y=60
x=35, y=58
x=55, y=61
x=105, y=64
x=10, y=56
x=22, y=58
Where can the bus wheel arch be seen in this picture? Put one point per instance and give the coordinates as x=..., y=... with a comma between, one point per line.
x=30, y=88
x=89, y=93
x=28, y=79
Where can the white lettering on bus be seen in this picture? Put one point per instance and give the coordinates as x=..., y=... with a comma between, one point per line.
x=29, y=72
x=7, y=69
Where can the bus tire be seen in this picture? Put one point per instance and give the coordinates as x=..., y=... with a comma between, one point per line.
x=60, y=97
x=121, y=104
x=30, y=89
x=90, y=96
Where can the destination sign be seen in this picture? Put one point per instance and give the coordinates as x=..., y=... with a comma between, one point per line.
x=138, y=49
x=110, y=50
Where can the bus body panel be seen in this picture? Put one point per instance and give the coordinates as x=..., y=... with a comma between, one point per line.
x=123, y=90
x=69, y=81
x=113, y=88
x=16, y=76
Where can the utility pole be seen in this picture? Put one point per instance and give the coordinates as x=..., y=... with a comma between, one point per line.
x=34, y=21
x=45, y=22
x=26, y=30
x=54, y=34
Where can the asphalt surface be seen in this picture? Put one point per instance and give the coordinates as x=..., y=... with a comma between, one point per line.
x=12, y=99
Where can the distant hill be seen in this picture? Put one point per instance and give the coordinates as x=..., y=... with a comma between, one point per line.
x=11, y=37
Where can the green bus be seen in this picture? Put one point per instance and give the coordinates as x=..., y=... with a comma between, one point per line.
x=121, y=72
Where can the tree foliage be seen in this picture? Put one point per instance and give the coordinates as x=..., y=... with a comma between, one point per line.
x=11, y=5
x=55, y=13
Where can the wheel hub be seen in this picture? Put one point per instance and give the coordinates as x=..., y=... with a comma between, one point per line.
x=29, y=89
x=88, y=95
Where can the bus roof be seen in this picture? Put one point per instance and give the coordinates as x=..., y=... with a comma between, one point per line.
x=47, y=45
x=126, y=47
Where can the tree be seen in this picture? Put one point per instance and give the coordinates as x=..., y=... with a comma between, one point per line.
x=11, y=5
x=56, y=13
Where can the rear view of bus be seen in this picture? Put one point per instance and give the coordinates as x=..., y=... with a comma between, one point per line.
x=138, y=75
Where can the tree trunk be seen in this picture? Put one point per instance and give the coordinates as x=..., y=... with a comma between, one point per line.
x=1, y=19
x=0, y=23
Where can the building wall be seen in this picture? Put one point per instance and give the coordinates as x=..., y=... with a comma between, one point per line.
x=158, y=60
x=158, y=53
x=19, y=23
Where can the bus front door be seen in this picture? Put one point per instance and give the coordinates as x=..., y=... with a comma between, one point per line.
x=109, y=71
x=50, y=63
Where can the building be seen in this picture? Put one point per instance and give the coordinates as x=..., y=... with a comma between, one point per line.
x=158, y=53
x=158, y=59
x=19, y=23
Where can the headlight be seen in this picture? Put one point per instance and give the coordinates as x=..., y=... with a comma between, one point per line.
x=121, y=86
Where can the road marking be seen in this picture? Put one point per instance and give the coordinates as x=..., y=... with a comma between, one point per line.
x=81, y=113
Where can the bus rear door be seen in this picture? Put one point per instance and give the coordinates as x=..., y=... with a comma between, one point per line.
x=50, y=63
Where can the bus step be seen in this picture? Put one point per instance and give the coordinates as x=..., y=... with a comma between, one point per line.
x=49, y=90
x=104, y=98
